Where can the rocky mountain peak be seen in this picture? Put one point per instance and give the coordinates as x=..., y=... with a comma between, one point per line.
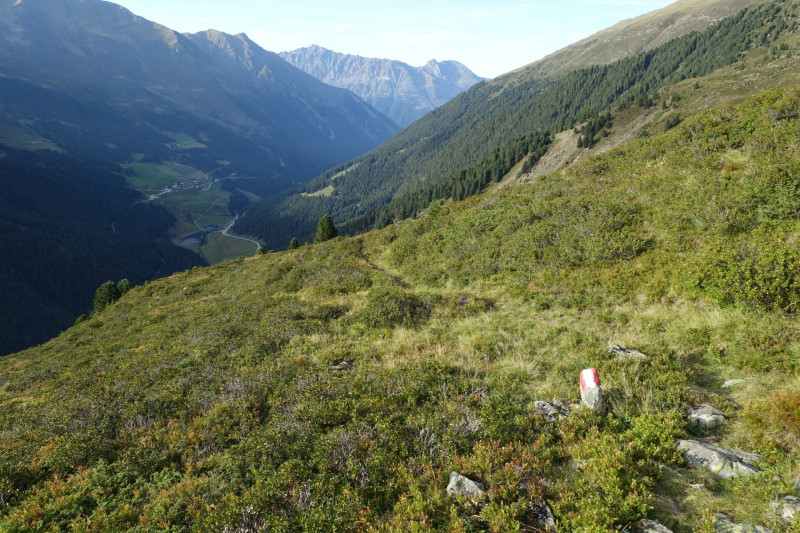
x=396, y=89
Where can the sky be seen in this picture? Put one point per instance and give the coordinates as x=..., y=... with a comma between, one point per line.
x=489, y=37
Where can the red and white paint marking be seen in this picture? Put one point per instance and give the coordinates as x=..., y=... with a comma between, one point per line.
x=589, y=378
x=591, y=392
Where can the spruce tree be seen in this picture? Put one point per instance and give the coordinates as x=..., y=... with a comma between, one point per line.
x=294, y=244
x=123, y=286
x=325, y=229
x=105, y=295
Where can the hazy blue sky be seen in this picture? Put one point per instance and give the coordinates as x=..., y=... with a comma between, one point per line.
x=491, y=37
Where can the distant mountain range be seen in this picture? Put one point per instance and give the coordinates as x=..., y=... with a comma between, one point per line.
x=94, y=87
x=129, y=84
x=396, y=89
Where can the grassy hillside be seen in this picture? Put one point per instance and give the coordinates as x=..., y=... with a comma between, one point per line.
x=336, y=386
x=468, y=132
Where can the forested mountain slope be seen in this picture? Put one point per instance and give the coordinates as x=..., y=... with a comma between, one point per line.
x=401, y=92
x=469, y=135
x=66, y=226
x=337, y=386
x=102, y=91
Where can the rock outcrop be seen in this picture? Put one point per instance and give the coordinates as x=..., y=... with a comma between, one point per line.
x=648, y=526
x=787, y=507
x=553, y=411
x=707, y=416
x=542, y=517
x=726, y=463
x=626, y=353
x=724, y=524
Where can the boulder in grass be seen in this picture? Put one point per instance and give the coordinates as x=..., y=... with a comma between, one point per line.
x=626, y=353
x=341, y=366
x=733, y=383
x=787, y=507
x=542, y=517
x=464, y=487
x=725, y=524
x=552, y=410
x=707, y=416
x=725, y=463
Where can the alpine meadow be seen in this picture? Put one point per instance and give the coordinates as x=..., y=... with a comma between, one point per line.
x=417, y=359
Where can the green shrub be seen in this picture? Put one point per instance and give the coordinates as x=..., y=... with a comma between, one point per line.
x=618, y=471
x=389, y=306
x=764, y=274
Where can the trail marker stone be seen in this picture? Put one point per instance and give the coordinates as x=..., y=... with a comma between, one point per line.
x=591, y=392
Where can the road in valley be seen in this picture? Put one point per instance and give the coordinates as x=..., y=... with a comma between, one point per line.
x=225, y=232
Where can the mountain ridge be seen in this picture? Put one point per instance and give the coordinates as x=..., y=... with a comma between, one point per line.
x=129, y=59
x=398, y=90
x=631, y=36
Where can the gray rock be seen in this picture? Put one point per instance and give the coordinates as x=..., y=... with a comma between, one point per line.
x=724, y=524
x=626, y=353
x=707, y=416
x=462, y=486
x=733, y=382
x=543, y=517
x=552, y=410
x=341, y=366
x=698, y=486
x=796, y=483
x=648, y=526
x=787, y=507
x=725, y=463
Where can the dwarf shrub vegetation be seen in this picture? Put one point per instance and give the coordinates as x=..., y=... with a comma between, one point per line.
x=336, y=386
